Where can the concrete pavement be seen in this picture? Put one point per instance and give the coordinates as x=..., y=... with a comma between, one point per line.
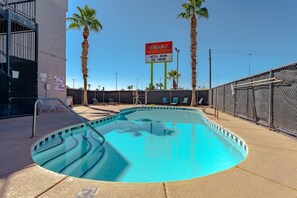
x=270, y=169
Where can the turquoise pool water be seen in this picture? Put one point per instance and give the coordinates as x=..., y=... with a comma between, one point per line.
x=150, y=145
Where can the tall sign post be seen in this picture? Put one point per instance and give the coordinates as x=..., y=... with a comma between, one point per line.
x=160, y=52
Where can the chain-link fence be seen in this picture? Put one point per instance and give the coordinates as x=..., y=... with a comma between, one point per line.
x=269, y=98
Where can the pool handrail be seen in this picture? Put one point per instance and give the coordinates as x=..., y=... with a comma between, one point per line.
x=67, y=107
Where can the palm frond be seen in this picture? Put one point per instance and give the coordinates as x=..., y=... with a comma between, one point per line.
x=74, y=26
x=183, y=15
x=202, y=13
x=81, y=11
x=76, y=16
x=72, y=19
x=85, y=17
x=193, y=7
x=96, y=26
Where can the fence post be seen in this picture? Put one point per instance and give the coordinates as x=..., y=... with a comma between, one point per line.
x=247, y=101
x=234, y=106
x=217, y=98
x=254, y=106
x=270, y=100
x=82, y=96
x=224, y=98
x=211, y=96
x=119, y=96
x=197, y=96
x=209, y=99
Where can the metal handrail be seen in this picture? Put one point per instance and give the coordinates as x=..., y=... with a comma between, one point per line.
x=136, y=101
x=216, y=111
x=67, y=107
x=258, y=84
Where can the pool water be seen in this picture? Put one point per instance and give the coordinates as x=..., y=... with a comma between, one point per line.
x=148, y=145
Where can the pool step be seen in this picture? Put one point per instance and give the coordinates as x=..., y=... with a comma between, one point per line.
x=57, y=151
x=76, y=156
x=59, y=163
x=87, y=162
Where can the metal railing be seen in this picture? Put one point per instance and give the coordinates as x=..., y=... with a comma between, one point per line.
x=3, y=3
x=136, y=98
x=216, y=111
x=25, y=8
x=67, y=107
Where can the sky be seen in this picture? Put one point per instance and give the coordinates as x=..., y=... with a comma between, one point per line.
x=235, y=29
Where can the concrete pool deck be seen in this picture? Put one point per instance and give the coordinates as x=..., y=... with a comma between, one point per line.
x=270, y=169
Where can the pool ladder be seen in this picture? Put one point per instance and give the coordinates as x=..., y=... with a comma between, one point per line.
x=67, y=107
x=216, y=111
x=136, y=98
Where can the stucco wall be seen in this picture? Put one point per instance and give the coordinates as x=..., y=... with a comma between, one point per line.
x=51, y=17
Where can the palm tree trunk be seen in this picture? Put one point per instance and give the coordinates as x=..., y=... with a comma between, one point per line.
x=193, y=57
x=84, y=61
x=174, y=84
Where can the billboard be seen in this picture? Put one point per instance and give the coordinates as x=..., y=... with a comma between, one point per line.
x=158, y=52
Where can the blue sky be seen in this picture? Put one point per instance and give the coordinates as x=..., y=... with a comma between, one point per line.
x=266, y=29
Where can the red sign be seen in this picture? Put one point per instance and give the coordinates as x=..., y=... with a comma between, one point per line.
x=158, y=52
x=158, y=48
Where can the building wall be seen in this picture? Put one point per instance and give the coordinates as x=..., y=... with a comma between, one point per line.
x=51, y=17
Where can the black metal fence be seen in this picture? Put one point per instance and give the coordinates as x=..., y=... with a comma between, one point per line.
x=19, y=91
x=126, y=97
x=18, y=57
x=269, y=98
x=4, y=79
x=25, y=8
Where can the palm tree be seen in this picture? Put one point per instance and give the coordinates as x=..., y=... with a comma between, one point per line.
x=193, y=8
x=86, y=19
x=130, y=87
x=159, y=85
x=174, y=75
x=150, y=87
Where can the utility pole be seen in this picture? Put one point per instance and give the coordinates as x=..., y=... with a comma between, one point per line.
x=209, y=68
x=250, y=54
x=160, y=83
x=103, y=94
x=116, y=80
x=210, y=77
x=218, y=80
x=177, y=52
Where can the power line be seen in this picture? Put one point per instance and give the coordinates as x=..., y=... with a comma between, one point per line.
x=259, y=53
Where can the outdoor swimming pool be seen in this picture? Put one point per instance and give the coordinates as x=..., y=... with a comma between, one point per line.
x=144, y=144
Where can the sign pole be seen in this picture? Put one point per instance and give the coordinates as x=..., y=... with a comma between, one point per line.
x=165, y=75
x=152, y=74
